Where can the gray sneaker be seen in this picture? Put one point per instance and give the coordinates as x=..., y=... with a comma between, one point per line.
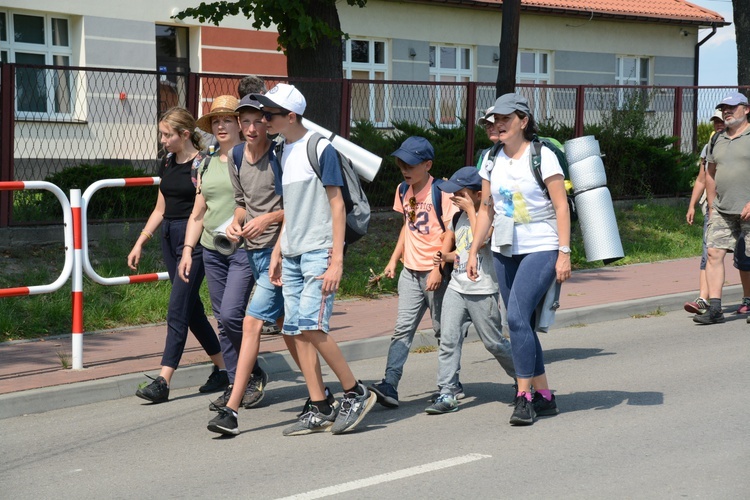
x=255, y=391
x=353, y=409
x=312, y=421
x=445, y=403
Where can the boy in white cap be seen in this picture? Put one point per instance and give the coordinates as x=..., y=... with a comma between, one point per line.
x=308, y=262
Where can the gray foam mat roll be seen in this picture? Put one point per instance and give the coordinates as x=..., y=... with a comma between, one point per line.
x=596, y=215
x=581, y=147
x=588, y=173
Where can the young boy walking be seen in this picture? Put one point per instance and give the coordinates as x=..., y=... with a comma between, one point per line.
x=420, y=284
x=470, y=301
x=308, y=262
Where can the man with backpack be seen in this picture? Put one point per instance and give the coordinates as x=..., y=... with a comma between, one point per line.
x=728, y=196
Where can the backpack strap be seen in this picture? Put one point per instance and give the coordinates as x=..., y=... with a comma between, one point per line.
x=714, y=138
x=312, y=153
x=456, y=216
x=437, y=202
x=494, y=150
x=237, y=155
x=206, y=158
x=536, y=165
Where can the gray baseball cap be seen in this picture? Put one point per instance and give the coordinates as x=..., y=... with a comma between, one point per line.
x=508, y=103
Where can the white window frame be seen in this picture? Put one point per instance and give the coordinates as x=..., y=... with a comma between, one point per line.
x=372, y=69
x=437, y=72
x=637, y=78
x=49, y=51
x=541, y=100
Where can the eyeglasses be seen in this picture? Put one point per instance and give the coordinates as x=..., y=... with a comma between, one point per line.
x=269, y=116
x=412, y=213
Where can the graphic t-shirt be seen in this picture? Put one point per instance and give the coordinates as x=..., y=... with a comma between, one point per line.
x=486, y=284
x=517, y=195
x=423, y=233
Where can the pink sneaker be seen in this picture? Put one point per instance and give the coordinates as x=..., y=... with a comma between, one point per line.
x=745, y=306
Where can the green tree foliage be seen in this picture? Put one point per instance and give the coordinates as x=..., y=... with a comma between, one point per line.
x=309, y=34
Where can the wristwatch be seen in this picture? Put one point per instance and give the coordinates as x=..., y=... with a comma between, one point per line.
x=564, y=249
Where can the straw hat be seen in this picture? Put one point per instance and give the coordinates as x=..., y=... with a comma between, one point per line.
x=222, y=105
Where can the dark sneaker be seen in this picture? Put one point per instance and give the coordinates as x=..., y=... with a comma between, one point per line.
x=255, y=391
x=709, y=318
x=386, y=394
x=353, y=409
x=458, y=393
x=745, y=306
x=217, y=381
x=312, y=421
x=156, y=392
x=523, y=413
x=544, y=408
x=225, y=422
x=221, y=400
x=329, y=398
x=700, y=306
x=445, y=403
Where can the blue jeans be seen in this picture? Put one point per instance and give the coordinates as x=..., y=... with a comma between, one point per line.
x=230, y=281
x=305, y=307
x=185, y=306
x=413, y=301
x=524, y=280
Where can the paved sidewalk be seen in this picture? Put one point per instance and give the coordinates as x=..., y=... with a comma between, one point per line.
x=117, y=359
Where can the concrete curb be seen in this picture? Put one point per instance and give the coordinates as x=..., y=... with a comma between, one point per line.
x=65, y=396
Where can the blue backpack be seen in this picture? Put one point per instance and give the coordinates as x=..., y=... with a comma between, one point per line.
x=436, y=199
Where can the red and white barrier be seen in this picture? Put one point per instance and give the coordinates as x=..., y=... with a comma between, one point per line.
x=77, y=288
x=68, y=235
x=119, y=280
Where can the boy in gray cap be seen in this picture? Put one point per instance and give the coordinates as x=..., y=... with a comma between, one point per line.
x=420, y=284
x=471, y=301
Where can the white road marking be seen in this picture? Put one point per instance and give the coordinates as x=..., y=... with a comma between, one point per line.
x=387, y=477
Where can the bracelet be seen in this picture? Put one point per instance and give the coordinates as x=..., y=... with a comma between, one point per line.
x=147, y=234
x=189, y=246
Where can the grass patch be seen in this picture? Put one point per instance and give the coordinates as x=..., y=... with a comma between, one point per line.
x=655, y=313
x=423, y=349
x=649, y=233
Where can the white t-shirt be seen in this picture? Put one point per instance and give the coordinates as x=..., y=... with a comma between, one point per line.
x=517, y=194
x=486, y=284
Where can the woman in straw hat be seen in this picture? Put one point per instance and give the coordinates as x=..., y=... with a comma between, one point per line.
x=229, y=277
x=173, y=206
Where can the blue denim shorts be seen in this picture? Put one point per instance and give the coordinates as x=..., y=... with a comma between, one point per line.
x=306, y=307
x=267, y=302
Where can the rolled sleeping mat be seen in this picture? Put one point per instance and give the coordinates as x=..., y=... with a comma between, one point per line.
x=596, y=215
x=223, y=244
x=587, y=174
x=366, y=164
x=581, y=147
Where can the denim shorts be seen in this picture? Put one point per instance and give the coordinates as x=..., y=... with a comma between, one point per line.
x=267, y=302
x=306, y=307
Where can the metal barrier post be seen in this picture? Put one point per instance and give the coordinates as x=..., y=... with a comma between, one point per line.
x=77, y=293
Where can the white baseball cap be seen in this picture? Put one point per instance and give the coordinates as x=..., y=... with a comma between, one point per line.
x=283, y=96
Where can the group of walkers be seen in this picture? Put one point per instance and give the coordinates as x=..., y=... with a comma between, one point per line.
x=489, y=229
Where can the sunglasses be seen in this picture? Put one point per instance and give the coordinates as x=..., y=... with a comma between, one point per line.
x=269, y=116
x=412, y=213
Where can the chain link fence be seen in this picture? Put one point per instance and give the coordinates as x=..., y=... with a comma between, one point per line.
x=63, y=117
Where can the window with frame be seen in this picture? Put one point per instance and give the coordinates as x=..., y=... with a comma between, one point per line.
x=449, y=63
x=533, y=67
x=632, y=70
x=365, y=59
x=38, y=40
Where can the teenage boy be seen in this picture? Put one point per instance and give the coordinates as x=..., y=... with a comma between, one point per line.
x=309, y=260
x=470, y=301
x=420, y=284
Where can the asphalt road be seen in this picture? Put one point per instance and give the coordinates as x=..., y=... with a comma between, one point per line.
x=650, y=408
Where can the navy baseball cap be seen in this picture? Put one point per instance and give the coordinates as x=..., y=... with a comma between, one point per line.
x=415, y=150
x=465, y=177
x=733, y=99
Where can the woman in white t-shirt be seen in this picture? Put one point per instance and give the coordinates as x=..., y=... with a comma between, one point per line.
x=530, y=244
